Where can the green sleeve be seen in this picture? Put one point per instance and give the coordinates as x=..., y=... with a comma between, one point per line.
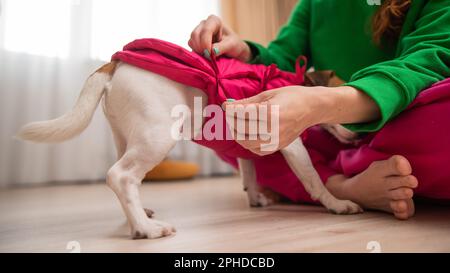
x=291, y=42
x=423, y=59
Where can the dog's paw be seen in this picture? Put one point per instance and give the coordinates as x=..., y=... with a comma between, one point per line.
x=149, y=213
x=338, y=206
x=344, y=207
x=262, y=197
x=259, y=199
x=152, y=229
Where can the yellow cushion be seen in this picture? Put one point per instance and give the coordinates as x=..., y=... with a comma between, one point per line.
x=172, y=170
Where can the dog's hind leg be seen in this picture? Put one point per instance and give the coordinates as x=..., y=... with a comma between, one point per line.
x=298, y=159
x=138, y=107
x=125, y=177
x=120, y=143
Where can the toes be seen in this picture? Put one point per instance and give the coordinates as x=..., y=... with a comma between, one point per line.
x=138, y=235
x=402, y=210
x=408, y=181
x=401, y=194
x=166, y=232
x=353, y=208
x=167, y=226
x=152, y=233
x=395, y=165
x=411, y=207
x=173, y=229
x=157, y=232
x=400, y=165
x=153, y=229
x=402, y=215
x=399, y=206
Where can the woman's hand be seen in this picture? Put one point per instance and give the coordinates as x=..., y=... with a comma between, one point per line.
x=298, y=109
x=291, y=109
x=211, y=36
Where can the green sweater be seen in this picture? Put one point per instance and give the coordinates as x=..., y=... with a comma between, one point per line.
x=336, y=35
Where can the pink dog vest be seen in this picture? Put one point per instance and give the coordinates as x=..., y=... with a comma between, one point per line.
x=220, y=79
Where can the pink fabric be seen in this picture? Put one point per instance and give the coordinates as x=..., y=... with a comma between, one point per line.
x=420, y=133
x=219, y=79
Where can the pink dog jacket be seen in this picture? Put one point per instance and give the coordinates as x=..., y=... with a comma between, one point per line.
x=420, y=133
x=221, y=78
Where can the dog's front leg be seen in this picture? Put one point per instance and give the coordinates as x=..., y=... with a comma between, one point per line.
x=298, y=159
x=255, y=194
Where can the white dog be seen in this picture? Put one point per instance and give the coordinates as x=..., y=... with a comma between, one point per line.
x=137, y=104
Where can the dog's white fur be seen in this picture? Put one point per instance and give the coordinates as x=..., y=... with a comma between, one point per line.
x=137, y=104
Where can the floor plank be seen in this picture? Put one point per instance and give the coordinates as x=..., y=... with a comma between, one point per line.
x=211, y=215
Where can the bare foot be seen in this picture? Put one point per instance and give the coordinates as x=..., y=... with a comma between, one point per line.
x=385, y=185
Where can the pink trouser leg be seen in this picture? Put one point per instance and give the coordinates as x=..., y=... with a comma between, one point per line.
x=421, y=134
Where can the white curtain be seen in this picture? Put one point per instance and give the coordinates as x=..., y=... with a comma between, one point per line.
x=47, y=49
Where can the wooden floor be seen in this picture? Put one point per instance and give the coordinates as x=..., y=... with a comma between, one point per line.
x=211, y=215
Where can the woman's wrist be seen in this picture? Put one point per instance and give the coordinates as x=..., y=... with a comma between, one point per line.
x=341, y=105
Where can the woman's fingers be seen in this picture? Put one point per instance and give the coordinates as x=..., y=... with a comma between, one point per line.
x=221, y=47
x=248, y=130
x=250, y=120
x=256, y=123
x=194, y=42
x=254, y=131
x=261, y=99
x=264, y=113
x=224, y=46
x=212, y=37
x=211, y=28
x=207, y=32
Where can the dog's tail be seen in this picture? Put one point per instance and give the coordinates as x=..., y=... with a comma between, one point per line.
x=75, y=121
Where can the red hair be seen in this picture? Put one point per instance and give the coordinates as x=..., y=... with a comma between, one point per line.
x=388, y=21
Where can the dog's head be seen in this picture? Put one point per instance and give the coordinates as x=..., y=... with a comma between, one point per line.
x=322, y=78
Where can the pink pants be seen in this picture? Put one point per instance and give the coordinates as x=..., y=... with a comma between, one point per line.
x=421, y=133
